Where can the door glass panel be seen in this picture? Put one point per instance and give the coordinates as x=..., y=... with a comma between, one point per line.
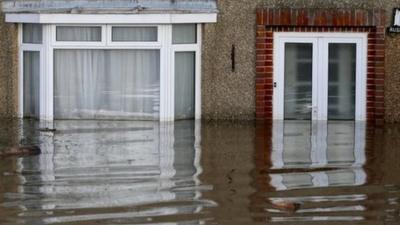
x=298, y=81
x=341, y=81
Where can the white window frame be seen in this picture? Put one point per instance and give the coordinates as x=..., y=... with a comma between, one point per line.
x=163, y=44
x=196, y=48
x=320, y=43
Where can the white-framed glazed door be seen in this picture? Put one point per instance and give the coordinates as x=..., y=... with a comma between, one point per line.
x=319, y=76
x=294, y=79
x=342, y=87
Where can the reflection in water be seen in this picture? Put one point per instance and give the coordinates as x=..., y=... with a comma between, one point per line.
x=328, y=170
x=131, y=168
x=336, y=145
x=118, y=172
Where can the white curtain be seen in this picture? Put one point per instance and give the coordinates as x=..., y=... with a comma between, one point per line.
x=32, y=33
x=184, y=34
x=31, y=72
x=75, y=33
x=107, y=84
x=134, y=34
x=184, y=85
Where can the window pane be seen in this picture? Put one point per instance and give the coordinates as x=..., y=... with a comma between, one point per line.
x=298, y=81
x=134, y=34
x=72, y=33
x=107, y=84
x=31, y=73
x=184, y=34
x=184, y=85
x=342, y=81
x=32, y=33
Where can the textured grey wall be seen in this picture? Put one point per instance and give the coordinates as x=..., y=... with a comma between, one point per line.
x=231, y=95
x=392, y=79
x=8, y=69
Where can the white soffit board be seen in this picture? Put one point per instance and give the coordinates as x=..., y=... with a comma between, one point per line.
x=111, y=18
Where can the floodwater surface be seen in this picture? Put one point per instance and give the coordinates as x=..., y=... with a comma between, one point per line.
x=188, y=172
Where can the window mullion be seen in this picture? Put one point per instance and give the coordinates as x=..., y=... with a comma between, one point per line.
x=198, y=74
x=166, y=75
x=46, y=74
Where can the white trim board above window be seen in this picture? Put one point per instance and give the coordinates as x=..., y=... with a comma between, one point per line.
x=111, y=18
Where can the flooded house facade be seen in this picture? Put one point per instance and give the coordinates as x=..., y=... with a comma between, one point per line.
x=168, y=60
x=137, y=60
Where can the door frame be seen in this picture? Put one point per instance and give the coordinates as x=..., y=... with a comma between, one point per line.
x=320, y=43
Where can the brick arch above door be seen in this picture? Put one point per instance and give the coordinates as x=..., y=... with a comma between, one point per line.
x=272, y=20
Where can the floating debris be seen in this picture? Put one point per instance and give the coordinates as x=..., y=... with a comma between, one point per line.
x=20, y=151
x=229, y=176
x=47, y=130
x=286, y=206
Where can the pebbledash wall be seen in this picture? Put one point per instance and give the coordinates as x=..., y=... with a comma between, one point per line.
x=229, y=93
x=8, y=69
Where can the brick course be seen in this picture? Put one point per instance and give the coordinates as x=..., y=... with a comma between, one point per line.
x=321, y=20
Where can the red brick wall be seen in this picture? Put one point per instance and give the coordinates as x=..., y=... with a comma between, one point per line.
x=321, y=20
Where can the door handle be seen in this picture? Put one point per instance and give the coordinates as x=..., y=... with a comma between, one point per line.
x=313, y=108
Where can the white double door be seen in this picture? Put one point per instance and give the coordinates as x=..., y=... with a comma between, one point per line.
x=320, y=76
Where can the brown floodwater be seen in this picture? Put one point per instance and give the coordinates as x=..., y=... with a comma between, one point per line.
x=119, y=172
